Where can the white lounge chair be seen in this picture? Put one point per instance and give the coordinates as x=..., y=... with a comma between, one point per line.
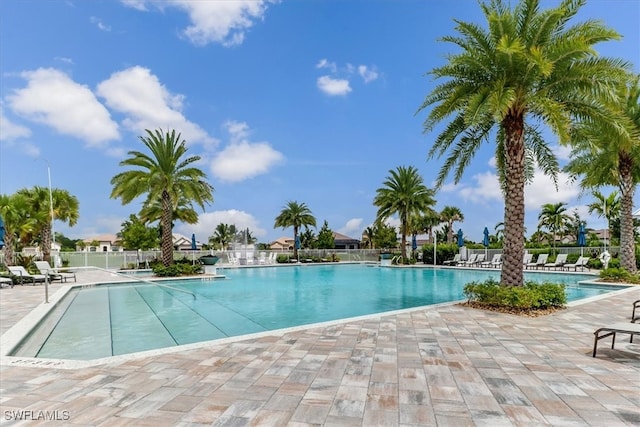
x=496, y=261
x=526, y=259
x=6, y=282
x=539, y=262
x=22, y=273
x=581, y=262
x=454, y=261
x=249, y=257
x=262, y=258
x=469, y=262
x=561, y=260
x=45, y=269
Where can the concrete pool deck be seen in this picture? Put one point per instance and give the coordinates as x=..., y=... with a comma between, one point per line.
x=445, y=365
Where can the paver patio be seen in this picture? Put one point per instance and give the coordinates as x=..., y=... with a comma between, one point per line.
x=445, y=366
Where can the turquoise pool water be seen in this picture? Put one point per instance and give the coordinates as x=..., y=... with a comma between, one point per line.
x=111, y=320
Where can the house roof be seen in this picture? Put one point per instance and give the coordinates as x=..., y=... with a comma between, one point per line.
x=103, y=238
x=282, y=241
x=342, y=237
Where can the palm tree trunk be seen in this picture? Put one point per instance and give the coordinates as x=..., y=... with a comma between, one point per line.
x=513, y=252
x=450, y=233
x=8, y=249
x=167, y=235
x=295, y=239
x=627, y=246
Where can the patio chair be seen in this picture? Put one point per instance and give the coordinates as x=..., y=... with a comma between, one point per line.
x=636, y=305
x=526, y=259
x=22, y=274
x=262, y=259
x=495, y=261
x=6, y=282
x=454, y=261
x=44, y=268
x=560, y=261
x=469, y=262
x=539, y=262
x=581, y=262
x=611, y=331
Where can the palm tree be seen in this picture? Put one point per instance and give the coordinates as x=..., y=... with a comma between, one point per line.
x=607, y=207
x=223, y=236
x=295, y=215
x=404, y=193
x=428, y=220
x=606, y=154
x=554, y=218
x=14, y=210
x=527, y=66
x=449, y=215
x=164, y=175
x=65, y=209
x=368, y=237
x=307, y=238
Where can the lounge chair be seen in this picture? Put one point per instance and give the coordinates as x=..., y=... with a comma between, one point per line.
x=617, y=328
x=262, y=258
x=495, y=261
x=454, y=261
x=22, y=274
x=539, y=262
x=560, y=261
x=249, y=258
x=526, y=259
x=44, y=268
x=6, y=282
x=581, y=262
x=479, y=259
x=469, y=262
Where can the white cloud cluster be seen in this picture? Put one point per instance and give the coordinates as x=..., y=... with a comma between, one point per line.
x=242, y=159
x=353, y=228
x=98, y=23
x=10, y=131
x=337, y=82
x=147, y=104
x=54, y=99
x=224, y=22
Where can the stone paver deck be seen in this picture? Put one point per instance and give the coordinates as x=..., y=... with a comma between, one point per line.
x=445, y=366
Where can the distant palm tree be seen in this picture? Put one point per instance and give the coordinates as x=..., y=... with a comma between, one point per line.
x=449, y=215
x=609, y=154
x=307, y=238
x=554, y=218
x=165, y=175
x=18, y=221
x=404, y=193
x=295, y=215
x=65, y=209
x=223, y=235
x=368, y=237
x=607, y=207
x=525, y=65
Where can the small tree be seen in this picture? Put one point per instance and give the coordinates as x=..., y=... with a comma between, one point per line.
x=136, y=235
x=325, y=238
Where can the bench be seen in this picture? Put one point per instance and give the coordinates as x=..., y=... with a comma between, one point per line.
x=617, y=328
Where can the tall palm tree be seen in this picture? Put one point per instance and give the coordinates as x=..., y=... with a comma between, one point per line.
x=607, y=207
x=295, y=215
x=449, y=215
x=527, y=66
x=404, y=193
x=606, y=154
x=166, y=175
x=368, y=237
x=554, y=218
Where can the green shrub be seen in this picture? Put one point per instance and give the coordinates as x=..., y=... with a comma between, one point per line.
x=619, y=275
x=528, y=297
x=176, y=269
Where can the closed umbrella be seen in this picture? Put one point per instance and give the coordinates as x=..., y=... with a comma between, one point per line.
x=582, y=240
x=194, y=246
x=414, y=242
x=485, y=240
x=460, y=238
x=1, y=233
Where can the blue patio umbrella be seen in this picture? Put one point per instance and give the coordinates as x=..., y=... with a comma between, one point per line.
x=297, y=242
x=194, y=246
x=485, y=238
x=414, y=242
x=460, y=238
x=1, y=233
x=582, y=239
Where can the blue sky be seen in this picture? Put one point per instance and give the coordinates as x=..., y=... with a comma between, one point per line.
x=312, y=101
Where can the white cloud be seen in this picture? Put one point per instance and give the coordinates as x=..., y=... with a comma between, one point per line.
x=367, y=74
x=207, y=222
x=10, y=131
x=486, y=189
x=64, y=59
x=324, y=63
x=353, y=228
x=542, y=190
x=98, y=23
x=224, y=22
x=562, y=152
x=53, y=99
x=138, y=93
x=244, y=160
x=333, y=87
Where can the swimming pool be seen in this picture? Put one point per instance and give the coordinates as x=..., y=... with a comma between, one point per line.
x=106, y=320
